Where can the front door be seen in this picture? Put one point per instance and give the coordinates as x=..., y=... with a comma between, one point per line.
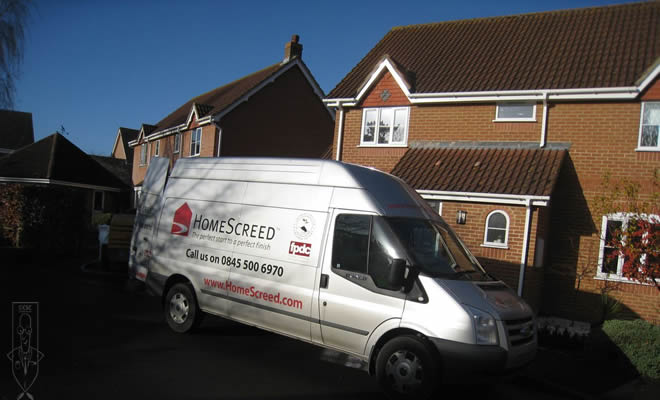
x=355, y=297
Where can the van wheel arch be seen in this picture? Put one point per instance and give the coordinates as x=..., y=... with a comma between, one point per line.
x=171, y=281
x=397, y=333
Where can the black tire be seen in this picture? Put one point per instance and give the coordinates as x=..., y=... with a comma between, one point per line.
x=181, y=310
x=407, y=368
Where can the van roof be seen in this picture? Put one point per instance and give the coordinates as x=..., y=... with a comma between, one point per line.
x=275, y=170
x=388, y=193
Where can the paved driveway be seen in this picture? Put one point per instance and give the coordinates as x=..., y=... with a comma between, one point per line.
x=102, y=340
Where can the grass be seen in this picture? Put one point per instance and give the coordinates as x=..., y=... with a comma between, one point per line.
x=639, y=341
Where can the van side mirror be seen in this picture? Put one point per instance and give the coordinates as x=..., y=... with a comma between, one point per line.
x=397, y=273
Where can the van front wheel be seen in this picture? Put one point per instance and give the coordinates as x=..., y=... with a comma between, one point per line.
x=181, y=311
x=406, y=368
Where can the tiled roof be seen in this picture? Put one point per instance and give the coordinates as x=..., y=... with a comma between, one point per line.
x=217, y=99
x=119, y=168
x=597, y=47
x=15, y=129
x=517, y=171
x=56, y=158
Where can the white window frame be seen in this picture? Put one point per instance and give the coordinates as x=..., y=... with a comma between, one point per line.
x=157, y=148
x=192, y=142
x=177, y=143
x=403, y=143
x=143, y=154
x=497, y=112
x=618, y=276
x=504, y=245
x=641, y=126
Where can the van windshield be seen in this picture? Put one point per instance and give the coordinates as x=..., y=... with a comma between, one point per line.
x=436, y=249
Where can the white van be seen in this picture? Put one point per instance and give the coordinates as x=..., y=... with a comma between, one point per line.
x=334, y=254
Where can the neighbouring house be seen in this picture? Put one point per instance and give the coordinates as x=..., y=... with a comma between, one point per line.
x=49, y=192
x=277, y=111
x=121, y=150
x=508, y=126
x=15, y=131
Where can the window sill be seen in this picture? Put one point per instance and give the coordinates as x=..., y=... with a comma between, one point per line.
x=515, y=120
x=648, y=149
x=387, y=146
x=495, y=246
x=621, y=279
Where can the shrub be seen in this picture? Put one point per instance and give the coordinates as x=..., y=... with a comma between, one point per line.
x=639, y=341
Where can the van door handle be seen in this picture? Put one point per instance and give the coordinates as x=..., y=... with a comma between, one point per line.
x=324, y=281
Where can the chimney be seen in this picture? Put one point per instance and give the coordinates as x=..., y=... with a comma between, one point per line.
x=292, y=49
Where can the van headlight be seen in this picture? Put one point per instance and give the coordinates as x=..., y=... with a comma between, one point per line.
x=485, y=327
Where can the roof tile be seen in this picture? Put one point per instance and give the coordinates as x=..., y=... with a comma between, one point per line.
x=591, y=47
x=481, y=170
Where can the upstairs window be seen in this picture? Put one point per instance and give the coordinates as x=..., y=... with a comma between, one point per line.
x=649, y=128
x=143, y=154
x=516, y=112
x=497, y=229
x=385, y=126
x=196, y=142
x=156, y=149
x=177, y=143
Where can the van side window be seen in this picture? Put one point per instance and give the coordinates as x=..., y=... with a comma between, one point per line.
x=351, y=242
x=366, y=245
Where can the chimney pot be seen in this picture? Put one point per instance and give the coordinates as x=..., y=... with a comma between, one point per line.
x=292, y=49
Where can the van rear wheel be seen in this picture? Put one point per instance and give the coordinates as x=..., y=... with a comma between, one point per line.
x=406, y=368
x=181, y=310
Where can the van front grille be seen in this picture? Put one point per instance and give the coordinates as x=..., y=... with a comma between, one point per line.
x=521, y=331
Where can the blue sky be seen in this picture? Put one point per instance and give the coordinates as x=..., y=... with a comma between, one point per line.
x=93, y=66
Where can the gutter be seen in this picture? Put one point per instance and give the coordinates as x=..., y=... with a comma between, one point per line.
x=495, y=198
x=617, y=93
x=58, y=182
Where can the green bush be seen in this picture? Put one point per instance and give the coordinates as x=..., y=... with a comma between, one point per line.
x=639, y=341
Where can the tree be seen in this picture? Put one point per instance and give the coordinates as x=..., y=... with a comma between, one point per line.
x=636, y=239
x=13, y=17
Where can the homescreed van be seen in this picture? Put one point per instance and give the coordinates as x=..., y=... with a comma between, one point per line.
x=339, y=255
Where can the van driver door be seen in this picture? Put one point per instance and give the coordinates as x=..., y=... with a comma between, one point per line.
x=355, y=296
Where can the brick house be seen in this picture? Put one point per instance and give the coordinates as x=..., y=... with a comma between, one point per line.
x=121, y=150
x=277, y=111
x=508, y=126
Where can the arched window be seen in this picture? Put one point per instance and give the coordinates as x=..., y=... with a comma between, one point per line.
x=497, y=229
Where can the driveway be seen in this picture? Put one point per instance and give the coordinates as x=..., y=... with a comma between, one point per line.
x=104, y=340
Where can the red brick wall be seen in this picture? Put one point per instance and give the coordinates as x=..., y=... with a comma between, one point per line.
x=653, y=91
x=208, y=148
x=284, y=119
x=396, y=95
x=603, y=137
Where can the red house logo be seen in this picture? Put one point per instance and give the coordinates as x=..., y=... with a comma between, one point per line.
x=181, y=221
